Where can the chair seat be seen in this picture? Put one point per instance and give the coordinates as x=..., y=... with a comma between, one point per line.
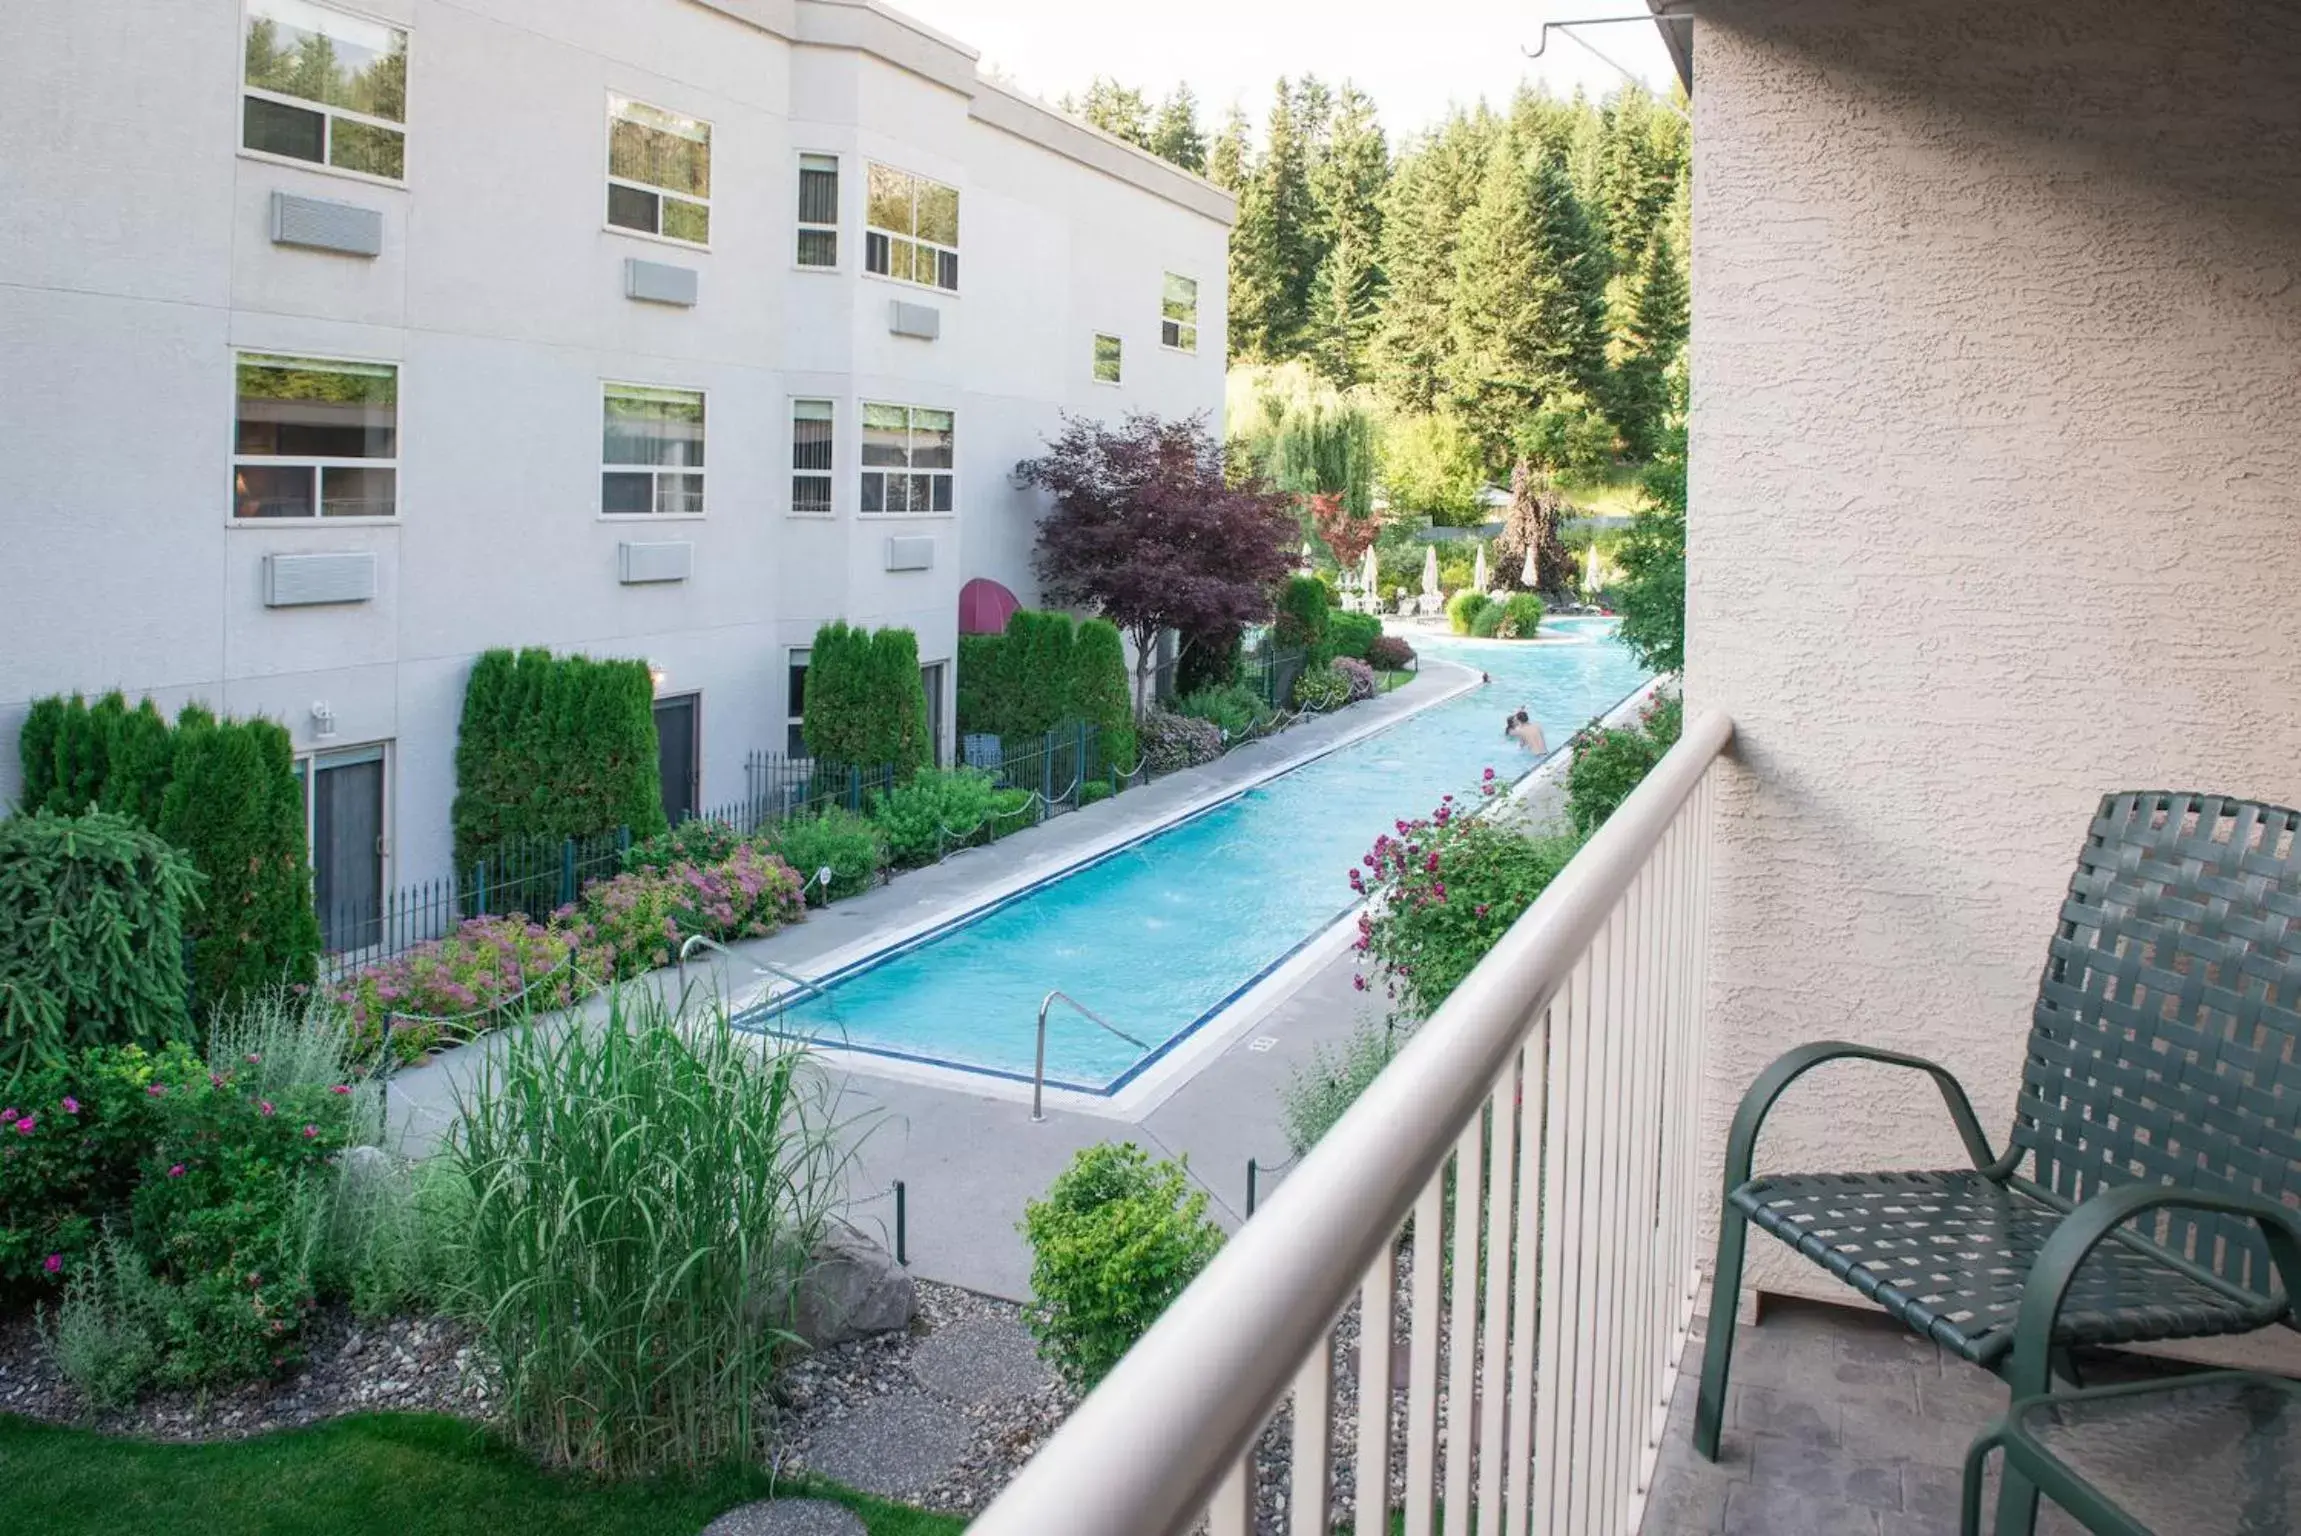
x=1948, y=1254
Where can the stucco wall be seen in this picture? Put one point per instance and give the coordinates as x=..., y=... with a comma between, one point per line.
x=1996, y=489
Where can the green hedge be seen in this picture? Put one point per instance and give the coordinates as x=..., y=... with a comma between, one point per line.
x=76, y=754
x=866, y=704
x=1352, y=634
x=1521, y=616
x=553, y=747
x=1039, y=647
x=92, y=915
x=1101, y=693
x=983, y=684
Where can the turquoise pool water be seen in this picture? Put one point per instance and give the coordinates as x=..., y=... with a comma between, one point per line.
x=1164, y=933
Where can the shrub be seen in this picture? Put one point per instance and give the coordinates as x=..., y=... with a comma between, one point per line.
x=1041, y=655
x=694, y=841
x=467, y=976
x=1302, y=614
x=1208, y=660
x=1389, y=653
x=77, y=1133
x=1445, y=888
x=1350, y=634
x=1100, y=693
x=395, y=1233
x=935, y=812
x=1486, y=623
x=866, y=705
x=1321, y=689
x=1463, y=608
x=636, y=922
x=92, y=912
x=1116, y=1239
x=101, y=1340
x=1360, y=678
x=1095, y=789
x=1321, y=1091
x=851, y=846
x=898, y=704
x=1610, y=761
x=77, y=755
x=1521, y=616
x=1009, y=813
x=552, y=747
x=982, y=705
x=234, y=804
x=1172, y=741
x=643, y=1198
x=1233, y=709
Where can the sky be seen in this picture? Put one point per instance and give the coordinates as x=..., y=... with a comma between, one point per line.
x=1415, y=61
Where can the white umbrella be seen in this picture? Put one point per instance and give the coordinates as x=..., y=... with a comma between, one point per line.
x=1430, y=571
x=1369, y=572
x=1526, y=577
x=1590, y=582
x=1478, y=571
x=1306, y=558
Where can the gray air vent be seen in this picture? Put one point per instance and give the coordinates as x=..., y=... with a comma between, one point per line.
x=924, y=321
x=301, y=581
x=911, y=554
x=658, y=282
x=324, y=226
x=638, y=564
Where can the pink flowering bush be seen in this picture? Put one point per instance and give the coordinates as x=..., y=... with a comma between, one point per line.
x=637, y=921
x=1444, y=889
x=485, y=963
x=1360, y=678
x=1178, y=741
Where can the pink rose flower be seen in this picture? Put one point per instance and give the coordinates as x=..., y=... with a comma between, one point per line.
x=339, y=1088
x=54, y=1263
x=311, y=1132
x=25, y=1125
x=263, y=1106
x=176, y=1172
x=157, y=1089
x=71, y=1105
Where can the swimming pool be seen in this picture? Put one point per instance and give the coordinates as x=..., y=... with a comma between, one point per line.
x=1164, y=933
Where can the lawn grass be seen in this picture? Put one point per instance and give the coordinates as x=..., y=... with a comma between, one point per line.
x=1612, y=492
x=1396, y=677
x=382, y=1474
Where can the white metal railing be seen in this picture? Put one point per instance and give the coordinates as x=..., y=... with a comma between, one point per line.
x=1559, y=1087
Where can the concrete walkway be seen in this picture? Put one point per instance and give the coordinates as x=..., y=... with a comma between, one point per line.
x=970, y=1158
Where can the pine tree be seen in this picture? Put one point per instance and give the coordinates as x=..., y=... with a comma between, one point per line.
x=1642, y=155
x=1347, y=183
x=1527, y=318
x=1271, y=244
x=1118, y=110
x=1230, y=159
x=1175, y=135
x=1423, y=206
x=1653, y=337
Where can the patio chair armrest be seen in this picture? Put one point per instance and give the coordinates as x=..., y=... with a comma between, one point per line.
x=1769, y=1085
x=2090, y=1225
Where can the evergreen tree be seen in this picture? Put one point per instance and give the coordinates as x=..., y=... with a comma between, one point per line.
x=1175, y=135
x=1422, y=211
x=1230, y=159
x=1654, y=336
x=1347, y=183
x=1642, y=155
x=1652, y=594
x=1527, y=317
x=1271, y=246
x=1118, y=110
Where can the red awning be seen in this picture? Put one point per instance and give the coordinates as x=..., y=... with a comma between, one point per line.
x=985, y=607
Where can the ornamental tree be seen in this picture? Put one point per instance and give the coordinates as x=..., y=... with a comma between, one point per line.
x=1148, y=530
x=1349, y=537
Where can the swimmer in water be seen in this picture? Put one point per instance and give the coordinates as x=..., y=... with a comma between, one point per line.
x=1522, y=727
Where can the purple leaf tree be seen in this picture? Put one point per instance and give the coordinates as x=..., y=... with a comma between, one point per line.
x=1149, y=531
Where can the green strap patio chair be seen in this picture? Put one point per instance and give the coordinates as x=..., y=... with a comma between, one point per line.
x=2152, y=1187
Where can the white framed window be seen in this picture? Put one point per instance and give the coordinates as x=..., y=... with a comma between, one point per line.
x=1178, y=313
x=652, y=453
x=314, y=437
x=658, y=172
x=909, y=453
x=818, y=211
x=911, y=228
x=325, y=87
x=812, y=432
x=1106, y=359
x=795, y=703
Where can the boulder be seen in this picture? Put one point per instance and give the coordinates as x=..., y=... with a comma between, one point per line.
x=853, y=1288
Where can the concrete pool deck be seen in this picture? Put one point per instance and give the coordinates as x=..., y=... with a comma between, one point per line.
x=965, y=1146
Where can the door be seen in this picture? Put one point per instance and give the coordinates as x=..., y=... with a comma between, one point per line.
x=348, y=847
x=676, y=725
x=931, y=678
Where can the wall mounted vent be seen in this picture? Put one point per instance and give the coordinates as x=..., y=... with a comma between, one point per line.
x=304, y=581
x=911, y=554
x=318, y=225
x=658, y=282
x=924, y=321
x=639, y=564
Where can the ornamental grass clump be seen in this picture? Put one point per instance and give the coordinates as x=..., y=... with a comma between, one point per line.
x=644, y=1195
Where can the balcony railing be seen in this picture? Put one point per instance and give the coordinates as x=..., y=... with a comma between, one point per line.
x=1542, y=1128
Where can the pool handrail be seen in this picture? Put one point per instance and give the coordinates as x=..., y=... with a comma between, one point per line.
x=1039, y=1071
x=758, y=967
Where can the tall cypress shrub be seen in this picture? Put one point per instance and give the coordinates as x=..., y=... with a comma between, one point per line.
x=898, y=705
x=1100, y=691
x=837, y=726
x=982, y=684
x=553, y=747
x=233, y=804
x=139, y=759
x=1040, y=644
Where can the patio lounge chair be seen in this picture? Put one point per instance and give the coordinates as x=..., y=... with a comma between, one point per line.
x=2152, y=1187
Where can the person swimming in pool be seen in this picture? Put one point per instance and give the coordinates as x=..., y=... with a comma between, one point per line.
x=1523, y=728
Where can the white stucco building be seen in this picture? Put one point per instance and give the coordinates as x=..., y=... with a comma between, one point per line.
x=339, y=345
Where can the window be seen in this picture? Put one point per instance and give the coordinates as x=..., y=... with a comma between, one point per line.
x=315, y=438
x=795, y=707
x=811, y=456
x=818, y=210
x=658, y=172
x=1178, y=314
x=911, y=229
x=1106, y=359
x=321, y=86
x=653, y=454
x=907, y=459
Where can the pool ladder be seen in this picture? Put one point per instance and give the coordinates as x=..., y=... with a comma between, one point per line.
x=697, y=941
x=1039, y=1072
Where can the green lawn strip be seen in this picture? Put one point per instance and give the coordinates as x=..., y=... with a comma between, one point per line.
x=1613, y=492
x=385, y=1474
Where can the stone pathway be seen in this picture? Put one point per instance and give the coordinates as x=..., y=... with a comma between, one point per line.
x=787, y=1517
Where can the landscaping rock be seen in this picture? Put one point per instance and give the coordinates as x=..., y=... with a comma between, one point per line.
x=787, y=1517
x=896, y=1446
x=853, y=1289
